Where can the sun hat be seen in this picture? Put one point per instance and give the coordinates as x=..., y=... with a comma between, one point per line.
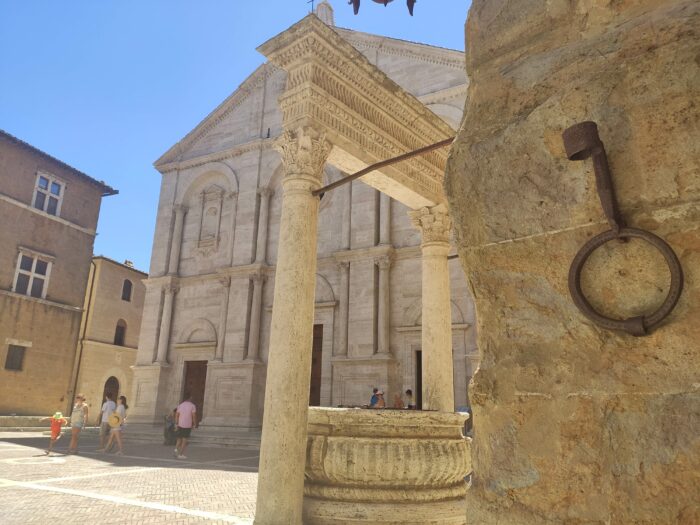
x=58, y=415
x=380, y=392
x=115, y=420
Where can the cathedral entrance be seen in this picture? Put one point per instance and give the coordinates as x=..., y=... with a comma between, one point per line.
x=316, y=354
x=195, y=380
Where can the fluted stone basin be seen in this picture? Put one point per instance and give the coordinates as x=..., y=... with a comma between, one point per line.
x=385, y=467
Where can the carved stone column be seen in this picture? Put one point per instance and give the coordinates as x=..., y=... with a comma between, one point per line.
x=436, y=327
x=263, y=220
x=253, y=353
x=384, y=306
x=343, y=308
x=283, y=445
x=223, y=317
x=174, y=261
x=165, y=324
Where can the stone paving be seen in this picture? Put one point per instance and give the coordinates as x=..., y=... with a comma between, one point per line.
x=146, y=485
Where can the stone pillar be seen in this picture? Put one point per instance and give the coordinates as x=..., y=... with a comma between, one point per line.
x=165, y=322
x=261, y=245
x=384, y=309
x=283, y=445
x=343, y=308
x=253, y=351
x=174, y=261
x=223, y=316
x=384, y=219
x=436, y=326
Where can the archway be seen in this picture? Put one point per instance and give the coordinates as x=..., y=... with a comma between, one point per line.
x=111, y=387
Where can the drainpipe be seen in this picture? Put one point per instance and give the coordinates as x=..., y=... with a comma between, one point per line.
x=79, y=358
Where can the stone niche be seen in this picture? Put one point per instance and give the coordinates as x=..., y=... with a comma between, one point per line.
x=573, y=423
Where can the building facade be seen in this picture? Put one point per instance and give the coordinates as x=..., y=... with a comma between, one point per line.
x=209, y=294
x=48, y=212
x=109, y=330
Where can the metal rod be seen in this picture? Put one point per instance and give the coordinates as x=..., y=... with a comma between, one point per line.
x=378, y=165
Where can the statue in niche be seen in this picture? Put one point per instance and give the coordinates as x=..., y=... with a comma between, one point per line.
x=211, y=203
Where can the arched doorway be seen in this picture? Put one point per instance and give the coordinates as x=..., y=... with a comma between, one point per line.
x=112, y=387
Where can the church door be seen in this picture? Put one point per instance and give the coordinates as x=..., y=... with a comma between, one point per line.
x=316, y=362
x=195, y=379
x=111, y=387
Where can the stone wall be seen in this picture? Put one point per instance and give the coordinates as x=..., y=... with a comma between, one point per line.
x=574, y=423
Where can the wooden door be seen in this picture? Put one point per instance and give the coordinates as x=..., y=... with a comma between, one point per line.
x=418, y=394
x=316, y=367
x=195, y=379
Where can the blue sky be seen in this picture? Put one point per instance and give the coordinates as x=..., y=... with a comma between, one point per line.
x=108, y=86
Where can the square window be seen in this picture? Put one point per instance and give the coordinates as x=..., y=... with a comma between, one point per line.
x=26, y=263
x=41, y=267
x=40, y=201
x=55, y=188
x=43, y=183
x=22, y=284
x=15, y=357
x=37, y=287
x=53, y=206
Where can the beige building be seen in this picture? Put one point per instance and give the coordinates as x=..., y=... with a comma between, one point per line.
x=209, y=295
x=109, y=330
x=48, y=217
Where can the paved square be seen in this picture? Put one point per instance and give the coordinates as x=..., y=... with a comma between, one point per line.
x=146, y=485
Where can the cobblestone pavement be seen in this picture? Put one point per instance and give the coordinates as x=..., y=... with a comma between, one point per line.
x=146, y=485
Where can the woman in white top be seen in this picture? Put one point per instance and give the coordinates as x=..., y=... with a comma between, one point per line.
x=116, y=433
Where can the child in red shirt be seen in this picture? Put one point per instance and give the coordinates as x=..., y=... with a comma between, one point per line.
x=57, y=421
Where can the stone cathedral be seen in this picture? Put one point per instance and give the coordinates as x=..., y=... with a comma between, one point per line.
x=207, y=311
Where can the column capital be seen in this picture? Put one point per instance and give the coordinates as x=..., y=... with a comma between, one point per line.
x=258, y=277
x=342, y=265
x=224, y=280
x=180, y=209
x=384, y=262
x=170, y=289
x=304, y=151
x=434, y=223
x=231, y=195
x=265, y=191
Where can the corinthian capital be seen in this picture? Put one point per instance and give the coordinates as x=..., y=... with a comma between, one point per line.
x=304, y=151
x=434, y=223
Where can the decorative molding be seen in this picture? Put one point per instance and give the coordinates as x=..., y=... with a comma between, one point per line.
x=444, y=94
x=217, y=156
x=72, y=309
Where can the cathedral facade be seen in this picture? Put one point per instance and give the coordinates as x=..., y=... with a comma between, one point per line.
x=207, y=313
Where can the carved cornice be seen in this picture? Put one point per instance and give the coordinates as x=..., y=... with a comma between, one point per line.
x=217, y=156
x=332, y=85
x=445, y=94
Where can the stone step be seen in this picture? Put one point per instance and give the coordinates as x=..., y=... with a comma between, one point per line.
x=210, y=437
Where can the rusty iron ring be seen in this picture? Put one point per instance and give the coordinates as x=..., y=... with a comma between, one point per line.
x=640, y=325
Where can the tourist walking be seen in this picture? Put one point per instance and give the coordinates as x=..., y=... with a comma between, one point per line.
x=57, y=421
x=116, y=422
x=78, y=420
x=373, y=399
x=185, y=421
x=108, y=407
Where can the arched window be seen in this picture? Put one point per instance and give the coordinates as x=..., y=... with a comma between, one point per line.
x=120, y=333
x=126, y=290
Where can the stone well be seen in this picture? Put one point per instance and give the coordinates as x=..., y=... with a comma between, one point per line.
x=386, y=467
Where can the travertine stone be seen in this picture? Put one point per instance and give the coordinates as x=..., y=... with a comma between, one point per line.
x=385, y=467
x=384, y=306
x=283, y=445
x=261, y=252
x=438, y=380
x=576, y=424
x=255, y=314
x=225, y=283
